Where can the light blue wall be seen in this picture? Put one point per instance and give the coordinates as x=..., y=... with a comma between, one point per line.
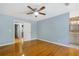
x=34, y=30
x=6, y=29
x=55, y=29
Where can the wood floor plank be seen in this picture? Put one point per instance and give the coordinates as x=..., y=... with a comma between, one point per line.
x=37, y=48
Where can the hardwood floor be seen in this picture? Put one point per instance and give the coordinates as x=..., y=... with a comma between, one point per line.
x=37, y=48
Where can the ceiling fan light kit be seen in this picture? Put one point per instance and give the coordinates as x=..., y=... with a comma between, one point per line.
x=35, y=11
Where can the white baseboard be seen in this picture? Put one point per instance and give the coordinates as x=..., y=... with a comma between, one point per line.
x=13, y=42
x=53, y=42
x=66, y=45
x=7, y=44
x=31, y=39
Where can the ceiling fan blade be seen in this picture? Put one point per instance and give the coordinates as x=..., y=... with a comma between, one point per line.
x=30, y=13
x=43, y=7
x=30, y=8
x=42, y=13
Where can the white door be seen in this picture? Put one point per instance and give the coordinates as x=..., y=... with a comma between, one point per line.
x=27, y=31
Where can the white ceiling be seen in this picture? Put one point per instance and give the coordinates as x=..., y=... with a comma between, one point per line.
x=18, y=10
x=73, y=9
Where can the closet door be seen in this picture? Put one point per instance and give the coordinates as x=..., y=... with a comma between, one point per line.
x=27, y=31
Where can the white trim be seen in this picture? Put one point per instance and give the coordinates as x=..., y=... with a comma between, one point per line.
x=34, y=38
x=14, y=42
x=6, y=44
x=68, y=45
x=30, y=39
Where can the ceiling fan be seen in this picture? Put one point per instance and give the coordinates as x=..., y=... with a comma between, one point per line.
x=35, y=11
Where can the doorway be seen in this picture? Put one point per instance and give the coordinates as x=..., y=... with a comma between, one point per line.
x=19, y=32
x=22, y=33
x=74, y=30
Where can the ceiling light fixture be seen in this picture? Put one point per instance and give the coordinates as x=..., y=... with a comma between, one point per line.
x=36, y=11
x=36, y=14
